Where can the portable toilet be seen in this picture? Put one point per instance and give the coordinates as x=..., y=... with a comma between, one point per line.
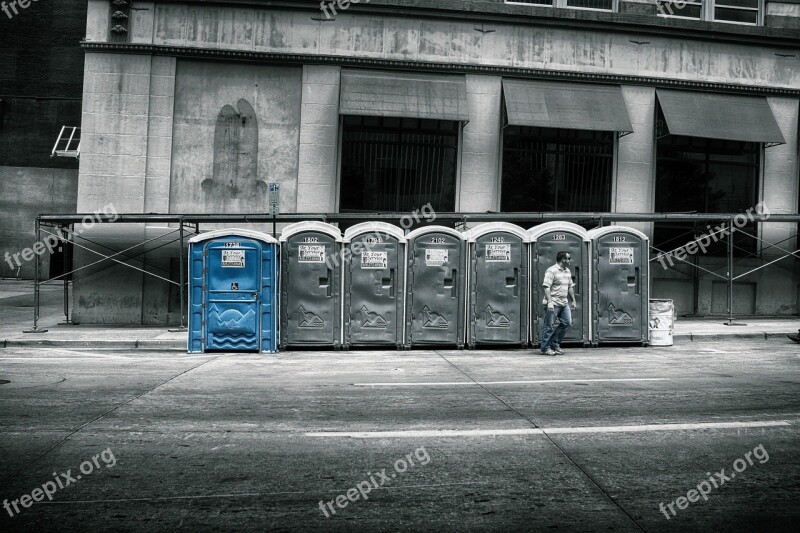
x=374, y=285
x=435, y=302
x=546, y=240
x=233, y=277
x=620, y=288
x=311, y=257
x=497, y=282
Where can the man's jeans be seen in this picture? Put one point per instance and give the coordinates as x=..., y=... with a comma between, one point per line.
x=550, y=337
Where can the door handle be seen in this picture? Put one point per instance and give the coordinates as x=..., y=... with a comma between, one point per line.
x=325, y=282
x=388, y=283
x=577, y=288
x=452, y=284
x=512, y=282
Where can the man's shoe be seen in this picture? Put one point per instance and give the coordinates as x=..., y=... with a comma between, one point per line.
x=549, y=352
x=558, y=350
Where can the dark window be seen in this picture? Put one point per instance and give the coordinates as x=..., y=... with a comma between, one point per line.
x=743, y=11
x=398, y=164
x=547, y=169
x=591, y=4
x=688, y=9
x=695, y=175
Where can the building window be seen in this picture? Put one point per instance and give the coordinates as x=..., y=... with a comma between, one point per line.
x=681, y=8
x=696, y=175
x=398, y=164
x=734, y=11
x=741, y=11
x=600, y=5
x=547, y=169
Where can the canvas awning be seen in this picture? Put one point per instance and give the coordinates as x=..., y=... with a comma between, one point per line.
x=719, y=116
x=399, y=94
x=579, y=106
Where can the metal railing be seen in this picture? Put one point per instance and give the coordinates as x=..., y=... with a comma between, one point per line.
x=194, y=221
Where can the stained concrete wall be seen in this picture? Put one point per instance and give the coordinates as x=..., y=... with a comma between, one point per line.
x=448, y=42
x=25, y=192
x=202, y=90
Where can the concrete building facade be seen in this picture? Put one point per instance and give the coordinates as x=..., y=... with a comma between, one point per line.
x=41, y=84
x=196, y=106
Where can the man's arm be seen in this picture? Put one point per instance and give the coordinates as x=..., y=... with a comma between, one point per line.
x=572, y=297
x=548, y=298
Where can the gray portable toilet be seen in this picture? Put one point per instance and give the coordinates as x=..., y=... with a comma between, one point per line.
x=311, y=257
x=497, y=281
x=435, y=302
x=233, y=289
x=546, y=240
x=620, y=288
x=374, y=285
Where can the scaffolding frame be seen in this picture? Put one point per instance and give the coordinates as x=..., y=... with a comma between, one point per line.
x=60, y=223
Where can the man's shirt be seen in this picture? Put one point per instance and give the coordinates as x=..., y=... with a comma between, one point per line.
x=559, y=280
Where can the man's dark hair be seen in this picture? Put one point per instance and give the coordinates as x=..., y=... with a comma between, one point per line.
x=560, y=256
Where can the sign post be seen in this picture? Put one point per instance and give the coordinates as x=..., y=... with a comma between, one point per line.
x=274, y=203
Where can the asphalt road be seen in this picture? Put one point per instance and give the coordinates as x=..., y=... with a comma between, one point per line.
x=599, y=439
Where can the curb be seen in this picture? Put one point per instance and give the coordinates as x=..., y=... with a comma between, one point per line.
x=180, y=345
x=752, y=335
x=74, y=343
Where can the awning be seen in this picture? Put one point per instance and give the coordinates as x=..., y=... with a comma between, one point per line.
x=719, y=116
x=577, y=106
x=396, y=94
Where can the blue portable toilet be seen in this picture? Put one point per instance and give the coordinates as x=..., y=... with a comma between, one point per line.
x=233, y=280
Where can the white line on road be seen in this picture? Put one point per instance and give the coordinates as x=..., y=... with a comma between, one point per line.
x=518, y=382
x=540, y=431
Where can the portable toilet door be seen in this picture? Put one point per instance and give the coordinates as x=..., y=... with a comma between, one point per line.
x=546, y=240
x=620, y=284
x=310, y=285
x=435, y=302
x=233, y=276
x=374, y=285
x=498, y=285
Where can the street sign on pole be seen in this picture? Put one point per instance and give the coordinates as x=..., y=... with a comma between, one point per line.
x=274, y=198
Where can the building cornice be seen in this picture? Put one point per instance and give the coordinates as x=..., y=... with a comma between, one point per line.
x=421, y=66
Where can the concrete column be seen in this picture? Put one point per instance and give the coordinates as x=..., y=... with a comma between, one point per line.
x=780, y=179
x=142, y=22
x=634, y=187
x=319, y=140
x=97, y=20
x=480, y=149
x=113, y=165
x=159, y=135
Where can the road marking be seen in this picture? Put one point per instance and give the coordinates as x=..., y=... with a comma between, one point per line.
x=421, y=433
x=518, y=382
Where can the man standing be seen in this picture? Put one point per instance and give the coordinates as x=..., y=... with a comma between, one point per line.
x=557, y=285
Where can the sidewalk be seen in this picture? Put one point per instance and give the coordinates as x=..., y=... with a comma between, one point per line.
x=16, y=314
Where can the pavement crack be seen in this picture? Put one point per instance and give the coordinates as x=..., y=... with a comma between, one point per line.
x=109, y=411
x=496, y=397
x=549, y=438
